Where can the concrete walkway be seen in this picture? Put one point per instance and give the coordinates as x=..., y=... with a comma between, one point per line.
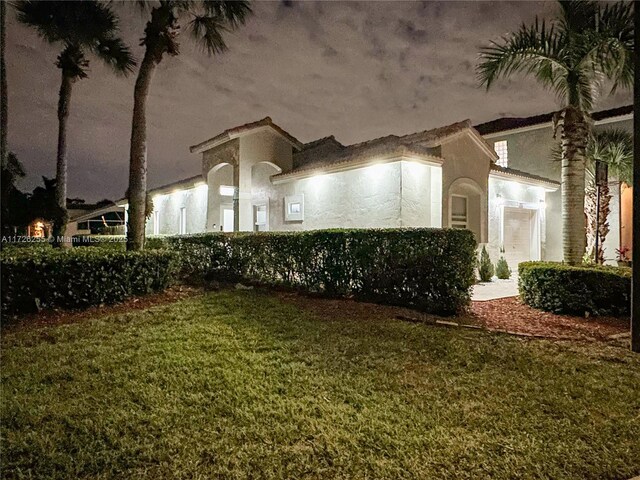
x=495, y=289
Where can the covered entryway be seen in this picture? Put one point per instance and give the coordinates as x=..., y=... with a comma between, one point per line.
x=520, y=236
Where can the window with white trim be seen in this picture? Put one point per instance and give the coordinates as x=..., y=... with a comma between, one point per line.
x=294, y=208
x=459, y=209
x=503, y=154
x=156, y=222
x=183, y=221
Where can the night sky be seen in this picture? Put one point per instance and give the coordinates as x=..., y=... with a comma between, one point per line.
x=354, y=70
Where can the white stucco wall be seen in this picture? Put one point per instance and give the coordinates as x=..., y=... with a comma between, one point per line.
x=421, y=195
x=264, y=146
x=168, y=207
x=465, y=169
x=215, y=179
x=392, y=194
x=361, y=198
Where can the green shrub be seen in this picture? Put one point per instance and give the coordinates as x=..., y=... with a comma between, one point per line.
x=80, y=277
x=428, y=269
x=560, y=288
x=503, y=272
x=32, y=245
x=107, y=242
x=485, y=267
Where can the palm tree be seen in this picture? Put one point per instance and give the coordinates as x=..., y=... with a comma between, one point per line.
x=585, y=46
x=4, y=97
x=614, y=148
x=82, y=27
x=11, y=171
x=208, y=20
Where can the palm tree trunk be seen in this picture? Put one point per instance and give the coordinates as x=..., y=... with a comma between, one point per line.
x=3, y=86
x=60, y=221
x=591, y=205
x=4, y=111
x=574, y=140
x=137, y=191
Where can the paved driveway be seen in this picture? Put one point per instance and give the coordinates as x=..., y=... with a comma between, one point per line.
x=495, y=289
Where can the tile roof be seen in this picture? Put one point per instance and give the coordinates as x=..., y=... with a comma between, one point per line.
x=235, y=131
x=512, y=123
x=512, y=172
x=419, y=144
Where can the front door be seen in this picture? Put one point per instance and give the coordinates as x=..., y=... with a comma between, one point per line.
x=517, y=235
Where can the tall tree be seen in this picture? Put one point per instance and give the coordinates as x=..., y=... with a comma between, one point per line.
x=586, y=45
x=81, y=27
x=4, y=96
x=208, y=20
x=614, y=148
x=12, y=171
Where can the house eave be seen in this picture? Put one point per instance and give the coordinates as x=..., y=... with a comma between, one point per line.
x=353, y=165
x=548, y=185
x=538, y=126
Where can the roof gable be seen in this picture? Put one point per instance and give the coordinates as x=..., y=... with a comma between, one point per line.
x=265, y=123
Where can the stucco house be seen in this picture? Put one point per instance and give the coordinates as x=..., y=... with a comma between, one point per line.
x=527, y=144
x=258, y=177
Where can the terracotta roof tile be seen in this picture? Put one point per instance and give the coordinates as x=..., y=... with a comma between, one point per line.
x=519, y=173
x=512, y=123
x=229, y=133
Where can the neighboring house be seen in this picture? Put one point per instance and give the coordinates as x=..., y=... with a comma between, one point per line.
x=94, y=220
x=258, y=177
x=527, y=144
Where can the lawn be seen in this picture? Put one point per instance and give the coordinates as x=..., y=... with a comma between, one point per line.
x=242, y=384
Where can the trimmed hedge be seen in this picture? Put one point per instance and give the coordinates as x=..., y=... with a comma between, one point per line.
x=80, y=277
x=428, y=269
x=108, y=242
x=31, y=245
x=576, y=290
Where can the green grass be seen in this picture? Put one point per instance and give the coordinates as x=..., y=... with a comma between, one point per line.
x=243, y=385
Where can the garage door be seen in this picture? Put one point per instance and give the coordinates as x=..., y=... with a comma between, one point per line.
x=517, y=230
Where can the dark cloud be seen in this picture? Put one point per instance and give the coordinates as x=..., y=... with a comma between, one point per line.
x=356, y=70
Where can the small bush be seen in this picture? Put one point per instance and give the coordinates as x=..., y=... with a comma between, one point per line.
x=560, y=288
x=503, y=272
x=80, y=277
x=427, y=269
x=485, y=267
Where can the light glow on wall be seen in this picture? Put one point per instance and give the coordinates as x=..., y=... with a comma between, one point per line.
x=226, y=191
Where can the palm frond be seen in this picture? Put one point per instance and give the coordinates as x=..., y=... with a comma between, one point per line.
x=615, y=148
x=614, y=54
x=534, y=50
x=212, y=18
x=115, y=53
x=87, y=25
x=207, y=32
x=42, y=16
x=233, y=13
x=73, y=63
x=577, y=15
